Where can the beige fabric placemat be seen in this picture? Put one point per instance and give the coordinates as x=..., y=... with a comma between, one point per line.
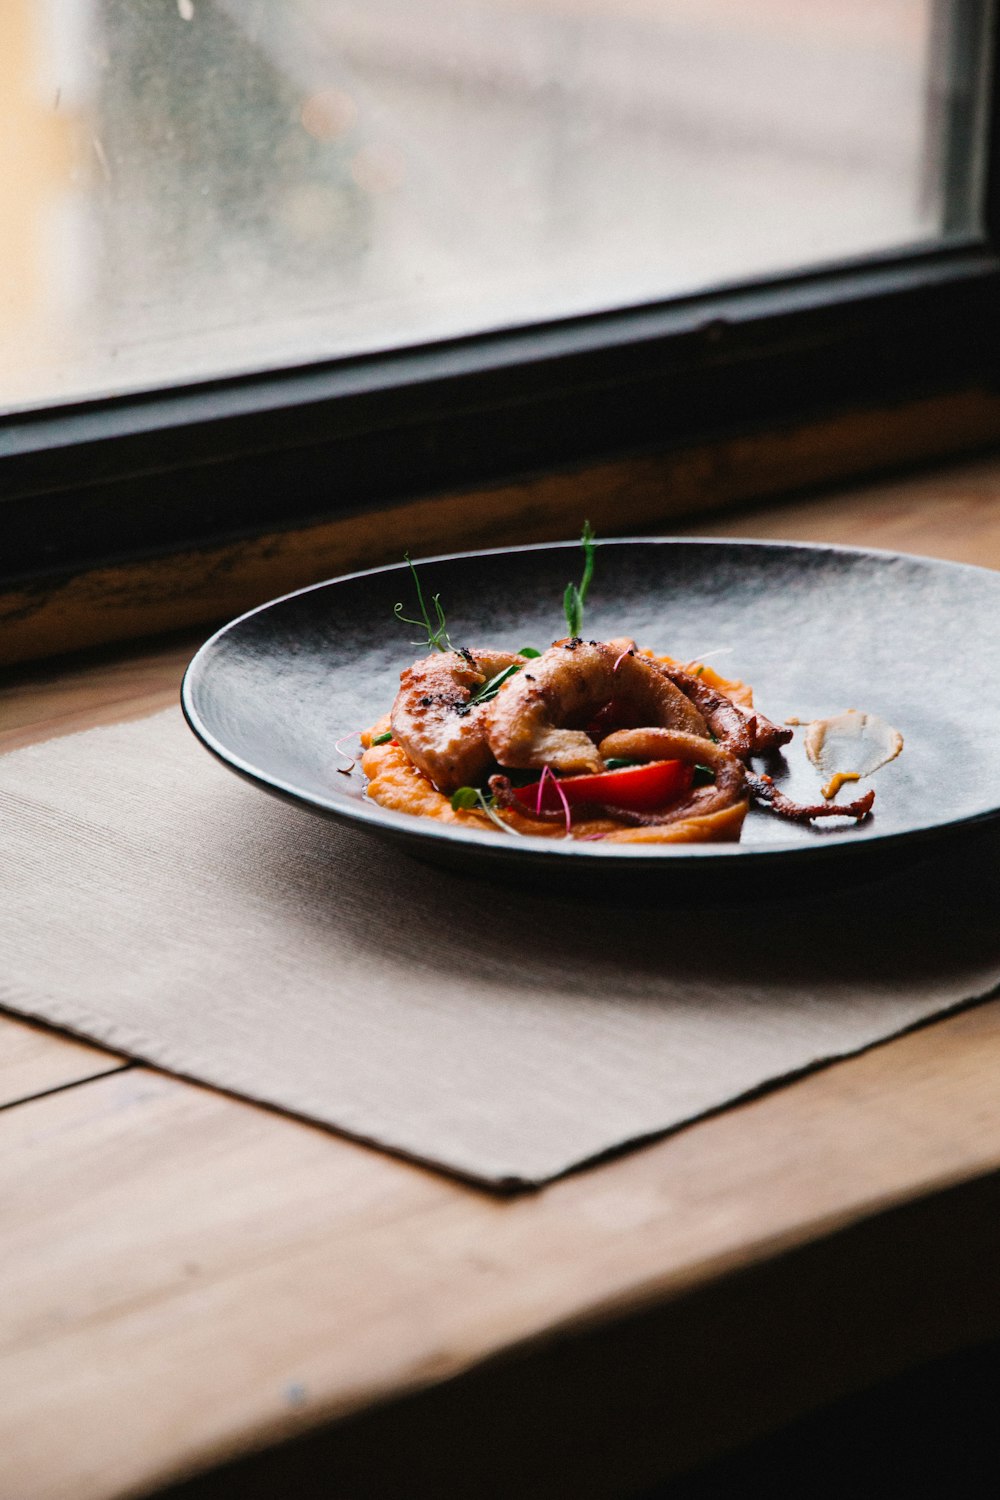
x=156, y=903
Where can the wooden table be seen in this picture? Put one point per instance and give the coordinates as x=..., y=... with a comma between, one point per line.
x=190, y=1281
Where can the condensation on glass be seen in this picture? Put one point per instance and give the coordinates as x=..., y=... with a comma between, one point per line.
x=193, y=188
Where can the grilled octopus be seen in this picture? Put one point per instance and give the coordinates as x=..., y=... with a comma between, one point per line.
x=580, y=704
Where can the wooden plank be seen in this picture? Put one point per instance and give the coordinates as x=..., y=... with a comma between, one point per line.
x=953, y=514
x=62, y=697
x=640, y=494
x=188, y=1276
x=33, y=1061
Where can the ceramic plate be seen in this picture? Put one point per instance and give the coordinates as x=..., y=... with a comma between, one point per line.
x=815, y=630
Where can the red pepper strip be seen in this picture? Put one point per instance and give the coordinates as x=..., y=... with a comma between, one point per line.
x=637, y=788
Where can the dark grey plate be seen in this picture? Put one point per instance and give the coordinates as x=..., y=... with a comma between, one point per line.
x=814, y=629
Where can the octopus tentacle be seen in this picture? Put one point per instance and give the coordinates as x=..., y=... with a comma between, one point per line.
x=724, y=719
x=662, y=744
x=763, y=790
x=539, y=718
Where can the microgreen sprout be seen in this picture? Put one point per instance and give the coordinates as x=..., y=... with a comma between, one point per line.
x=437, y=635
x=383, y=739
x=574, y=597
x=563, y=799
x=547, y=771
x=704, y=656
x=349, y=767
x=619, y=763
x=490, y=689
x=469, y=797
x=626, y=652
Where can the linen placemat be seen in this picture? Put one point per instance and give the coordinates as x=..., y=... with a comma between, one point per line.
x=156, y=903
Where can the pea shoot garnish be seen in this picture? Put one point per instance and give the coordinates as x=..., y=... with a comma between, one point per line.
x=437, y=635
x=489, y=690
x=469, y=797
x=575, y=596
x=383, y=739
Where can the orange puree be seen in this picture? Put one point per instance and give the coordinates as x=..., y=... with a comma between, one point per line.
x=739, y=692
x=395, y=782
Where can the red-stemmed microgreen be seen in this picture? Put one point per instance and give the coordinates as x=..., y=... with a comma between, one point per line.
x=547, y=771
x=626, y=652
x=437, y=635
x=702, y=657
x=351, y=762
x=563, y=799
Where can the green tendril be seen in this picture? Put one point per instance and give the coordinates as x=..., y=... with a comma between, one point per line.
x=437, y=635
x=576, y=594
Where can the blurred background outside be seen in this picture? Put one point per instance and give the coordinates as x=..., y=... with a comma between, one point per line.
x=193, y=188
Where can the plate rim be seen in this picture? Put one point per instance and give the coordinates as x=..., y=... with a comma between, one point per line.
x=408, y=826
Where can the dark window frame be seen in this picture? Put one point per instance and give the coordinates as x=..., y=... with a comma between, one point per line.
x=152, y=473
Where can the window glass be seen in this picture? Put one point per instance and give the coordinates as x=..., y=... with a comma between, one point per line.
x=193, y=188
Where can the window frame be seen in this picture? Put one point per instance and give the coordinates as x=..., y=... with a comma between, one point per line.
x=195, y=465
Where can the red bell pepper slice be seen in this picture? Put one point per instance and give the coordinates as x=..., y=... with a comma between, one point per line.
x=634, y=788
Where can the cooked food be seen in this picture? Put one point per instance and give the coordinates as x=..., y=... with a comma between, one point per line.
x=529, y=723
x=631, y=747
x=436, y=717
x=769, y=795
x=594, y=740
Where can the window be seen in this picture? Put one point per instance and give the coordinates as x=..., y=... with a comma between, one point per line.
x=254, y=246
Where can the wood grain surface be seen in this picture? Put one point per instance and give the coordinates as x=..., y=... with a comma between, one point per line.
x=190, y=1279
x=953, y=514
x=36, y=1061
x=630, y=496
